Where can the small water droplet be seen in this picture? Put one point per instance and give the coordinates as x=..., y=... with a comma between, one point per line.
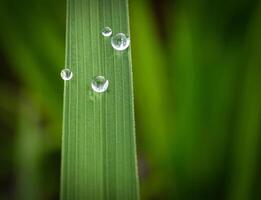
x=100, y=84
x=66, y=74
x=120, y=42
x=107, y=32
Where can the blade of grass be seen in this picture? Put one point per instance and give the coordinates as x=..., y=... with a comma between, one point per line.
x=34, y=61
x=152, y=99
x=246, y=149
x=205, y=75
x=98, y=147
x=28, y=152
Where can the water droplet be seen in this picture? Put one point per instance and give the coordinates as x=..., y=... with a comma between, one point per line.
x=100, y=84
x=120, y=42
x=66, y=74
x=107, y=32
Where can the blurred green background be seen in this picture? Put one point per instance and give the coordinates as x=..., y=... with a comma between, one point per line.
x=197, y=73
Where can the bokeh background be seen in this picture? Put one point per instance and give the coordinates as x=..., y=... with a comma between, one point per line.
x=197, y=73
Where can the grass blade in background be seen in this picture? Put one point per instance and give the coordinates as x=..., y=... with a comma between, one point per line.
x=152, y=101
x=211, y=98
x=31, y=51
x=98, y=147
x=28, y=153
x=35, y=62
x=246, y=149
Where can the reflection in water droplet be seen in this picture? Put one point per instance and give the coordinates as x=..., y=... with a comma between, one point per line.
x=66, y=74
x=120, y=42
x=100, y=84
x=107, y=32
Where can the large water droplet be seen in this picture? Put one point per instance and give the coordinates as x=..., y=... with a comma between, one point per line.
x=66, y=74
x=107, y=32
x=100, y=84
x=120, y=42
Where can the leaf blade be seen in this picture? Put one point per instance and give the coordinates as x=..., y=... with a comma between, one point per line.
x=98, y=153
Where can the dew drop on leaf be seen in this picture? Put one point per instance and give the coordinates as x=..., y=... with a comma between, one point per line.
x=100, y=84
x=120, y=42
x=107, y=32
x=66, y=74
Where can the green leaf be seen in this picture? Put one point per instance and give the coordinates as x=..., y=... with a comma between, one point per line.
x=28, y=152
x=98, y=147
